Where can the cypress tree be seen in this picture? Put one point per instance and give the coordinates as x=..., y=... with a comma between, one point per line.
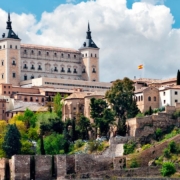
x=12, y=143
x=177, y=80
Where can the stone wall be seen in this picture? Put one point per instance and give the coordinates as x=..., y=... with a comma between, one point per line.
x=74, y=167
x=146, y=126
x=2, y=168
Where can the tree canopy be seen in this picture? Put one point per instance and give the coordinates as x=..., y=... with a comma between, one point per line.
x=121, y=99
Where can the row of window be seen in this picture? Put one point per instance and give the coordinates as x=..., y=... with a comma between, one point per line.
x=13, y=75
x=85, y=55
x=175, y=93
x=47, y=54
x=140, y=98
x=100, y=87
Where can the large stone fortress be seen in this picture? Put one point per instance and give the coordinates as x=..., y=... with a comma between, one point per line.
x=21, y=62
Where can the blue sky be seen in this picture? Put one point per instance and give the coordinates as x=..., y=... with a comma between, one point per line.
x=36, y=7
x=126, y=38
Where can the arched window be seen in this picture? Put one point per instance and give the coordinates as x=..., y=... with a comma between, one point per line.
x=62, y=55
x=74, y=56
x=32, y=77
x=141, y=98
x=25, y=51
x=47, y=53
x=39, y=53
x=93, y=70
x=25, y=99
x=154, y=98
x=25, y=66
x=13, y=62
x=149, y=98
x=2, y=62
x=31, y=99
x=55, y=54
x=32, y=52
x=68, y=55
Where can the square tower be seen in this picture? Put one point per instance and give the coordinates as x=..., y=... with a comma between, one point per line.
x=90, y=59
x=10, y=56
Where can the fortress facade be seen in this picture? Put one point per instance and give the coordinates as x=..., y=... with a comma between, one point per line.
x=21, y=62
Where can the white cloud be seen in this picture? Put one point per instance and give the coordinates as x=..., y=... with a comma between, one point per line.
x=154, y=1
x=126, y=37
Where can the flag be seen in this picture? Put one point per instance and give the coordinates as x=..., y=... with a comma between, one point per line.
x=140, y=66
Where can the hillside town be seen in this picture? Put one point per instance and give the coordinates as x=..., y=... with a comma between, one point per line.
x=58, y=121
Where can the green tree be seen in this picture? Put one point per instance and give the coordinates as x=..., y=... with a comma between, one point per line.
x=102, y=115
x=178, y=78
x=168, y=169
x=120, y=97
x=12, y=143
x=82, y=125
x=133, y=110
x=158, y=133
x=54, y=143
x=57, y=103
x=150, y=111
x=27, y=148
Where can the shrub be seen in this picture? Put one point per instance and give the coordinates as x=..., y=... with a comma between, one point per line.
x=129, y=148
x=134, y=164
x=146, y=146
x=176, y=114
x=158, y=133
x=94, y=145
x=79, y=143
x=172, y=147
x=139, y=115
x=168, y=169
x=166, y=153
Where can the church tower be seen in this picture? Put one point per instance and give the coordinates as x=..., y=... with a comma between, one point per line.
x=10, y=56
x=90, y=59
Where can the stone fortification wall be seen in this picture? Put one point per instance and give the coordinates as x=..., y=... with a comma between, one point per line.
x=62, y=167
x=146, y=126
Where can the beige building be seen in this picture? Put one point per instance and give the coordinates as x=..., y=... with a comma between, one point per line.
x=78, y=103
x=146, y=97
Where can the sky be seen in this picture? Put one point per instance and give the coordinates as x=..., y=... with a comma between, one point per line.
x=128, y=32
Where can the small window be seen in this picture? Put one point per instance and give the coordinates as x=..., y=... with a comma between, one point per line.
x=11, y=46
x=55, y=54
x=31, y=99
x=39, y=53
x=62, y=55
x=3, y=105
x=4, y=92
x=16, y=47
x=176, y=101
x=25, y=77
x=13, y=62
x=39, y=67
x=149, y=98
x=95, y=55
x=25, y=51
x=164, y=101
x=75, y=71
x=93, y=70
x=68, y=55
x=74, y=56
x=164, y=93
x=9, y=87
x=141, y=98
x=4, y=86
x=69, y=70
x=86, y=55
x=0, y=47
x=2, y=76
x=47, y=53
x=91, y=55
x=3, y=111
x=32, y=52
x=4, y=46
x=13, y=75
x=9, y=92
x=2, y=63
x=154, y=98
x=176, y=93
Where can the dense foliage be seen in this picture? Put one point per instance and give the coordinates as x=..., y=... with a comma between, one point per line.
x=168, y=169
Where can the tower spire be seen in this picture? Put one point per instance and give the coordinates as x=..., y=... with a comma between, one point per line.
x=9, y=22
x=88, y=32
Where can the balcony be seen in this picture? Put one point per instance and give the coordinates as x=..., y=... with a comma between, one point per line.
x=39, y=68
x=68, y=71
x=62, y=70
x=55, y=70
x=32, y=68
x=75, y=72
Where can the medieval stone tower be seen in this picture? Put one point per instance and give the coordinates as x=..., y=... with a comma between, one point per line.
x=10, y=56
x=90, y=59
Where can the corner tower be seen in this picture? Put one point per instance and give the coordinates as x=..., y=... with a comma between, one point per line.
x=90, y=59
x=10, y=56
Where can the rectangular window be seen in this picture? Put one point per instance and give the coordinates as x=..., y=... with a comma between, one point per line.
x=175, y=92
x=2, y=63
x=2, y=76
x=164, y=93
x=164, y=101
x=13, y=75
